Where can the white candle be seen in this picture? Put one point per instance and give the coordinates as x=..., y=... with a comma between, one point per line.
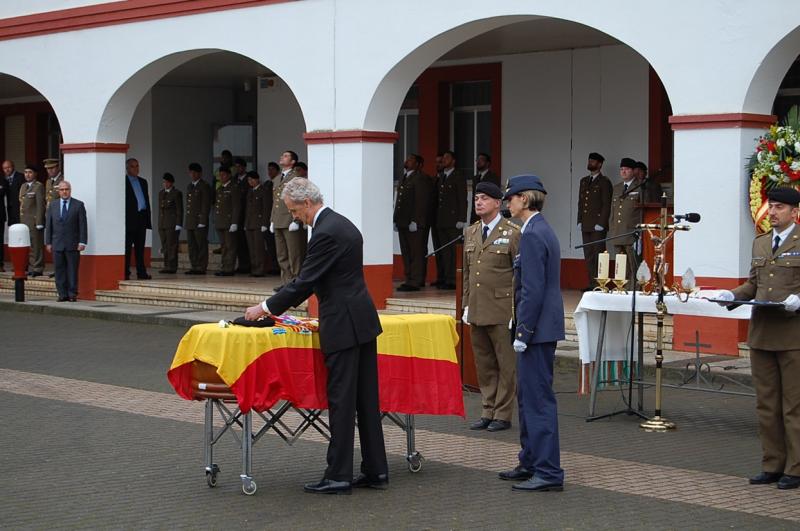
x=602, y=265
x=620, y=265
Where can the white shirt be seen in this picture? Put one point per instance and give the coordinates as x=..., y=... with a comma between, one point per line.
x=492, y=224
x=483, y=173
x=524, y=225
x=783, y=235
x=448, y=172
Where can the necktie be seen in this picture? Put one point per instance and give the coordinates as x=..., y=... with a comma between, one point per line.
x=625, y=189
x=776, y=244
x=63, y=209
x=485, y=232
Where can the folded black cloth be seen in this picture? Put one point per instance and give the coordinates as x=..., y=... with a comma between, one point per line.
x=259, y=323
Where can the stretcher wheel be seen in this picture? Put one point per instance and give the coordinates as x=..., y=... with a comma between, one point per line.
x=415, y=462
x=249, y=486
x=211, y=479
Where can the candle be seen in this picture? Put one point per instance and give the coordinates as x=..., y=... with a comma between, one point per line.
x=602, y=265
x=620, y=265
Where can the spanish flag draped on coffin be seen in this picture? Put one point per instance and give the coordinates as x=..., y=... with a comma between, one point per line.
x=417, y=366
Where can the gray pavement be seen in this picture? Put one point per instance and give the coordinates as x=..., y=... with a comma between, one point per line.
x=135, y=461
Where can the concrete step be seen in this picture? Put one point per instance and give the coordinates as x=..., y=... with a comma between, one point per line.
x=35, y=287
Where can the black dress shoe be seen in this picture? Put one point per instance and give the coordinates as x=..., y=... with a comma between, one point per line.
x=446, y=286
x=144, y=277
x=518, y=473
x=190, y=272
x=498, y=425
x=257, y=275
x=223, y=274
x=62, y=299
x=538, y=485
x=788, y=482
x=51, y=275
x=328, y=486
x=170, y=271
x=406, y=287
x=381, y=481
x=480, y=424
x=35, y=274
x=765, y=478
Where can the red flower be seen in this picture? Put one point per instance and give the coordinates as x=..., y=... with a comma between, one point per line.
x=771, y=146
x=785, y=167
x=794, y=175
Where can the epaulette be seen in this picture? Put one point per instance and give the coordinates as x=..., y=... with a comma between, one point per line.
x=511, y=224
x=476, y=223
x=767, y=234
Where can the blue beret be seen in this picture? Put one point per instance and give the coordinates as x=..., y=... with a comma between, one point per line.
x=490, y=189
x=520, y=183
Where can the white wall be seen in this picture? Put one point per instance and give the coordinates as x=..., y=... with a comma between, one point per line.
x=280, y=126
x=560, y=106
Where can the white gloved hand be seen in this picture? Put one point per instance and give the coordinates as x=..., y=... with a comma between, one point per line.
x=465, y=315
x=395, y=227
x=792, y=303
x=580, y=227
x=510, y=324
x=519, y=346
x=460, y=225
x=293, y=226
x=598, y=228
x=178, y=228
x=412, y=227
x=272, y=228
x=234, y=227
x=200, y=226
x=40, y=227
x=264, y=228
x=725, y=295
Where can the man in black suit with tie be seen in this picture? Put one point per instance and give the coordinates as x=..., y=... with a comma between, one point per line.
x=137, y=218
x=349, y=325
x=9, y=187
x=65, y=236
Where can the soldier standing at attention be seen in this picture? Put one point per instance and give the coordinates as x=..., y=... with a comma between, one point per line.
x=625, y=215
x=227, y=207
x=774, y=339
x=290, y=240
x=256, y=223
x=594, y=209
x=198, y=207
x=54, y=178
x=485, y=174
x=490, y=246
x=31, y=213
x=451, y=216
x=170, y=217
x=411, y=219
x=239, y=178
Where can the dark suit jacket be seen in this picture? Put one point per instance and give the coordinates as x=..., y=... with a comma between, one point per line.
x=452, y=200
x=4, y=196
x=12, y=197
x=594, y=202
x=333, y=270
x=65, y=234
x=413, y=203
x=132, y=206
x=538, y=307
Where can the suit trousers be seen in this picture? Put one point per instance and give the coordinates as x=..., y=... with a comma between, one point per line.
x=198, y=248
x=495, y=364
x=135, y=234
x=447, y=256
x=591, y=252
x=256, y=251
x=66, y=265
x=169, y=247
x=229, y=241
x=633, y=262
x=413, y=247
x=538, y=413
x=271, y=263
x=290, y=248
x=242, y=251
x=36, y=259
x=777, y=380
x=2, y=243
x=353, y=391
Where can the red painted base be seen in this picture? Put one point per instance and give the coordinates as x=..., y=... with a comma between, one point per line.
x=379, y=283
x=148, y=256
x=99, y=272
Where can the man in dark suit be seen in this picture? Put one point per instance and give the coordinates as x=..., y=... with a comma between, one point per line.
x=349, y=326
x=137, y=218
x=538, y=324
x=451, y=216
x=9, y=188
x=65, y=236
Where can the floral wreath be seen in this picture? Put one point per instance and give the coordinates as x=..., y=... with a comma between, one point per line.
x=776, y=162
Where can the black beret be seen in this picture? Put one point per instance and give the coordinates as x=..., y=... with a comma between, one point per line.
x=195, y=167
x=226, y=169
x=169, y=177
x=627, y=163
x=253, y=175
x=490, y=189
x=641, y=165
x=784, y=194
x=597, y=157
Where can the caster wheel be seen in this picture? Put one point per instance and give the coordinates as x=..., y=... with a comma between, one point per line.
x=415, y=462
x=211, y=479
x=249, y=487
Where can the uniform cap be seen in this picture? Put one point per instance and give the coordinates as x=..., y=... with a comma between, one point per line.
x=597, y=156
x=627, y=163
x=50, y=163
x=169, y=177
x=490, y=189
x=520, y=183
x=784, y=194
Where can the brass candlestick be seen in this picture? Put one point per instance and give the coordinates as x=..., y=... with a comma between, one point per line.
x=601, y=285
x=620, y=285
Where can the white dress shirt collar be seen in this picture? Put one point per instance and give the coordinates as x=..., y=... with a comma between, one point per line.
x=492, y=224
x=524, y=225
x=783, y=235
x=316, y=216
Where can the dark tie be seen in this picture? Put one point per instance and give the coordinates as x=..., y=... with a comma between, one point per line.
x=776, y=244
x=63, y=209
x=485, y=232
x=624, y=190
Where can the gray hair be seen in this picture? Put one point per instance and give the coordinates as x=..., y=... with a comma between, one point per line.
x=299, y=189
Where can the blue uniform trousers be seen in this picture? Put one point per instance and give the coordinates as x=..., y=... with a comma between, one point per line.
x=538, y=415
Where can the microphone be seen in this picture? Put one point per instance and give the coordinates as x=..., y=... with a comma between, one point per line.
x=691, y=217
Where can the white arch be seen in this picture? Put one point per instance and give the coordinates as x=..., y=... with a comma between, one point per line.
x=770, y=73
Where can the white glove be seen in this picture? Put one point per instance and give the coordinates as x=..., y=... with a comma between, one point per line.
x=460, y=225
x=272, y=228
x=40, y=227
x=234, y=227
x=510, y=324
x=293, y=226
x=725, y=295
x=412, y=227
x=519, y=346
x=200, y=226
x=395, y=227
x=792, y=303
x=465, y=315
x=264, y=228
x=178, y=228
x=598, y=228
x=580, y=227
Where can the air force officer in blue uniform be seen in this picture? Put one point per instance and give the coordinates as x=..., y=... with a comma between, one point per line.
x=537, y=325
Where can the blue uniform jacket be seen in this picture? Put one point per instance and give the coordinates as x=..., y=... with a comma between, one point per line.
x=538, y=307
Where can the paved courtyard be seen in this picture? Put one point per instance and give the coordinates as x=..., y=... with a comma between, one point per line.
x=94, y=437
